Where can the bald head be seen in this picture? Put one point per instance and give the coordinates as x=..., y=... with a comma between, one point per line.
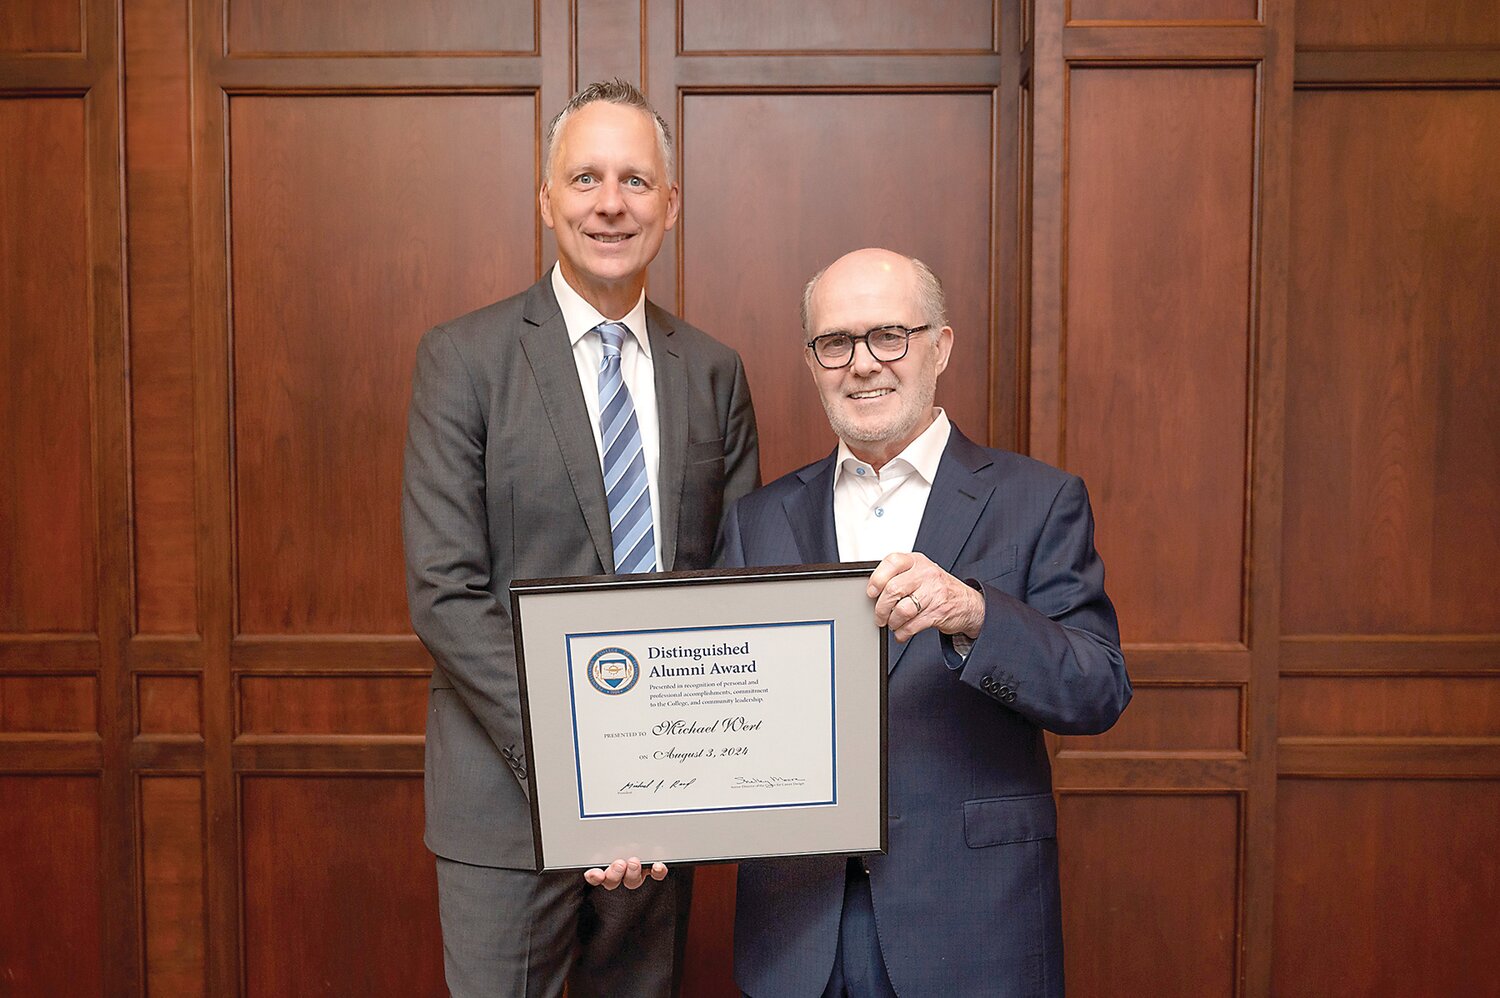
x=882, y=267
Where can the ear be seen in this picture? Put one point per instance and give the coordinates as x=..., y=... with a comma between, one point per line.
x=813, y=366
x=944, y=347
x=674, y=204
x=544, y=201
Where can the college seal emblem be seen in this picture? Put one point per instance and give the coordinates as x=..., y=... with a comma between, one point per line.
x=613, y=670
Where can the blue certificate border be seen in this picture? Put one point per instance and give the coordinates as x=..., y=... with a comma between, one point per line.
x=832, y=704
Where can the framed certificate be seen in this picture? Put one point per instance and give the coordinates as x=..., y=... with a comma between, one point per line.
x=703, y=716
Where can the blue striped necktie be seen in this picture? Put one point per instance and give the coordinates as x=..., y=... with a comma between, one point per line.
x=625, y=484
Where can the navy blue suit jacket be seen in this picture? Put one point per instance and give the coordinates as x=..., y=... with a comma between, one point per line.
x=966, y=900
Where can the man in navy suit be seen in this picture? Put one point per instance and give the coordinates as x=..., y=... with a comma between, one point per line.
x=1001, y=629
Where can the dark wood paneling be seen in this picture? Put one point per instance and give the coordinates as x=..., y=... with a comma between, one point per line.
x=158, y=160
x=1157, y=338
x=329, y=705
x=357, y=222
x=41, y=26
x=338, y=888
x=1390, y=707
x=1162, y=10
x=599, y=27
x=48, y=703
x=380, y=26
x=1397, y=23
x=49, y=885
x=1174, y=718
x=1387, y=888
x=743, y=271
x=1393, y=435
x=839, y=25
x=169, y=705
x=172, y=885
x=46, y=484
x=1150, y=893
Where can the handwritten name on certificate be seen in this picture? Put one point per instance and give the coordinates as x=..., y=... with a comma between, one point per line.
x=703, y=719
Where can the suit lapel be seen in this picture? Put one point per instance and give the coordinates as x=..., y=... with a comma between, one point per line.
x=809, y=510
x=672, y=420
x=954, y=506
x=550, y=354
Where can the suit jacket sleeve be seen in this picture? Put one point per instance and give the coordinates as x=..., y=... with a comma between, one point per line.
x=1055, y=656
x=448, y=553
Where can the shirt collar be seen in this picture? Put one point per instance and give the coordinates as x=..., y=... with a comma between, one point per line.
x=580, y=317
x=922, y=455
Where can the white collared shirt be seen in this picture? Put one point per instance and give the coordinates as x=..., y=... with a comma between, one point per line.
x=635, y=367
x=875, y=513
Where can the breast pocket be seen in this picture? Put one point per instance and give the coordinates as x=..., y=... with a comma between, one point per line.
x=993, y=566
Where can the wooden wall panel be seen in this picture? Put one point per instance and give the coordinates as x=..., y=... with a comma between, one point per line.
x=743, y=272
x=710, y=26
x=158, y=161
x=1162, y=10
x=332, y=896
x=48, y=703
x=41, y=26
x=1390, y=707
x=1157, y=338
x=47, y=525
x=169, y=705
x=333, y=705
x=172, y=882
x=285, y=27
x=1386, y=888
x=1393, y=435
x=49, y=885
x=1397, y=23
x=1150, y=893
x=357, y=222
x=1174, y=718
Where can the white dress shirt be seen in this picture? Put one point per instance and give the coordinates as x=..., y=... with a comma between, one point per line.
x=635, y=367
x=875, y=513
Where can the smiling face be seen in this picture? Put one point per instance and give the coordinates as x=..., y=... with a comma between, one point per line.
x=609, y=200
x=876, y=408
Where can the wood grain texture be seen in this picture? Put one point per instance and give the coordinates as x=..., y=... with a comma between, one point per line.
x=333, y=705
x=169, y=705
x=158, y=163
x=1390, y=707
x=49, y=885
x=1387, y=887
x=357, y=919
x=41, y=26
x=1393, y=434
x=1162, y=10
x=1173, y=719
x=1150, y=893
x=357, y=222
x=47, y=515
x=838, y=25
x=285, y=27
x=172, y=866
x=1397, y=23
x=48, y=703
x=1157, y=341
x=743, y=270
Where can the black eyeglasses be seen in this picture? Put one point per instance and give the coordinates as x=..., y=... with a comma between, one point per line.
x=886, y=344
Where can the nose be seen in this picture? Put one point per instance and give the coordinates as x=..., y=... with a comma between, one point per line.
x=609, y=201
x=864, y=362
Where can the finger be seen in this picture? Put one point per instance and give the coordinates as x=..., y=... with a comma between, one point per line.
x=658, y=871
x=613, y=874
x=594, y=877
x=633, y=875
x=890, y=566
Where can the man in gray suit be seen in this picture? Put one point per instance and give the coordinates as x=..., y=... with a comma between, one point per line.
x=574, y=429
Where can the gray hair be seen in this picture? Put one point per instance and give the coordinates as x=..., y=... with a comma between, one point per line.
x=616, y=91
x=930, y=297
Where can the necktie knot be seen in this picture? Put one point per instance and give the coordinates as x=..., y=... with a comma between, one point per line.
x=613, y=335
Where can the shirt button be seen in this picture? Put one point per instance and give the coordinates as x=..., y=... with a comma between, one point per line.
x=879, y=511
x=859, y=471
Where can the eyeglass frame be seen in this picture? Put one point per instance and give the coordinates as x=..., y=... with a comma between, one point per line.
x=855, y=341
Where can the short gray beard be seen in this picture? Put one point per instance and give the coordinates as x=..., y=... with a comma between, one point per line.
x=914, y=409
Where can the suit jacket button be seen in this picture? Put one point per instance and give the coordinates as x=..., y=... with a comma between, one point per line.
x=986, y=683
x=1007, y=694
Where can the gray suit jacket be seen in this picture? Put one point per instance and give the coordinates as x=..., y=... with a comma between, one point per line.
x=502, y=481
x=966, y=900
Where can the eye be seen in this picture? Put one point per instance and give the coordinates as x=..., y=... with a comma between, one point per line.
x=584, y=180
x=635, y=182
x=888, y=339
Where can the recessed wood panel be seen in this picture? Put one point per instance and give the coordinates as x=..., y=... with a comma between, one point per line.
x=333, y=705
x=158, y=162
x=744, y=269
x=41, y=26
x=49, y=885
x=839, y=25
x=357, y=222
x=1386, y=887
x=1150, y=893
x=1157, y=338
x=1390, y=707
x=46, y=486
x=1173, y=718
x=1162, y=10
x=48, y=703
x=1393, y=433
x=380, y=26
x=338, y=887
x=172, y=884
x=1397, y=23
x=168, y=705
